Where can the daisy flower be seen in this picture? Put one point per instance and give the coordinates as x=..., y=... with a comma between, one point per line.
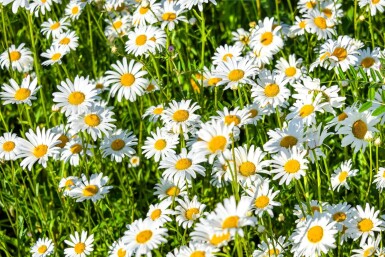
x=231, y=216
x=319, y=24
x=342, y=214
x=154, y=112
x=40, y=6
x=139, y=41
x=170, y=188
x=38, y=147
x=236, y=117
x=233, y=73
x=9, y=146
x=75, y=97
x=117, y=27
x=262, y=198
x=126, y=79
x=54, y=27
x=305, y=109
x=79, y=245
x=379, y=178
x=96, y=121
x=205, y=232
x=119, y=144
x=74, y=8
x=270, y=89
x=19, y=58
x=241, y=38
x=134, y=161
x=183, y=166
x=54, y=54
x=143, y=236
x=159, y=213
x=223, y=53
x=160, y=145
x=42, y=248
x=74, y=150
x=292, y=134
x=317, y=236
x=255, y=113
x=67, y=184
x=305, y=6
x=198, y=249
x=222, y=171
x=249, y=162
x=289, y=164
x=23, y=94
x=16, y=4
x=299, y=27
x=365, y=223
x=290, y=69
x=93, y=189
x=187, y=212
x=369, y=248
x=266, y=37
x=271, y=248
x=373, y=5
x=158, y=37
x=214, y=139
x=118, y=249
x=180, y=116
x=68, y=39
x=341, y=175
x=146, y=12
x=355, y=127
x=189, y=4
x=170, y=15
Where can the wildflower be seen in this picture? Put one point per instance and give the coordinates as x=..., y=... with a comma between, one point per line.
x=23, y=94
x=79, y=246
x=93, y=189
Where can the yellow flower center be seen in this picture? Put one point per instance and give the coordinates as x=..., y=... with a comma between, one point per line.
x=267, y=38
x=324, y=56
x=156, y=214
x=22, y=93
x=79, y=248
x=173, y=191
x=247, y=169
x=320, y=22
x=311, y=4
x=340, y=53
x=75, y=10
x=315, y=208
x=375, y=1
x=292, y=166
x=14, y=56
x=56, y=57
x=141, y=40
x=90, y=190
x=253, y=113
x=76, y=98
x=117, y=24
x=92, y=120
x=169, y=16
x=271, y=90
x=69, y=183
x=76, y=148
x=217, y=239
x=230, y=222
x=180, y=115
x=342, y=116
x=343, y=175
x=367, y=62
x=224, y=58
x=54, y=26
x=40, y=151
x=359, y=129
x=339, y=216
x=198, y=254
x=302, y=24
x=42, y=249
x=327, y=12
x=217, y=143
x=65, y=41
x=236, y=75
x=183, y=164
x=288, y=141
x=365, y=225
x=127, y=79
x=213, y=81
x=8, y=146
x=150, y=88
x=190, y=212
x=273, y=252
x=64, y=140
x=158, y=111
x=261, y=202
x=143, y=236
x=291, y=71
x=121, y=252
x=117, y=144
x=306, y=110
x=315, y=234
x=369, y=252
x=99, y=86
x=160, y=144
x=232, y=119
x=143, y=10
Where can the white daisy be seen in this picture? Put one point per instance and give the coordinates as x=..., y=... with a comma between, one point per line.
x=160, y=145
x=79, y=245
x=23, y=94
x=42, y=248
x=187, y=212
x=93, y=189
x=54, y=27
x=341, y=175
x=9, y=146
x=19, y=58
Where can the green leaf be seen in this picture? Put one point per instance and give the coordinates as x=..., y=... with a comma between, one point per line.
x=379, y=110
x=365, y=106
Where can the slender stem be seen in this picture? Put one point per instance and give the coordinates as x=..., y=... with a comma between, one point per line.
x=371, y=30
x=370, y=170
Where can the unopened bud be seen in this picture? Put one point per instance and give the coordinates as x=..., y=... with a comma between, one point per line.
x=192, y=21
x=368, y=136
x=361, y=18
x=281, y=217
x=377, y=141
x=260, y=229
x=252, y=24
x=55, y=108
